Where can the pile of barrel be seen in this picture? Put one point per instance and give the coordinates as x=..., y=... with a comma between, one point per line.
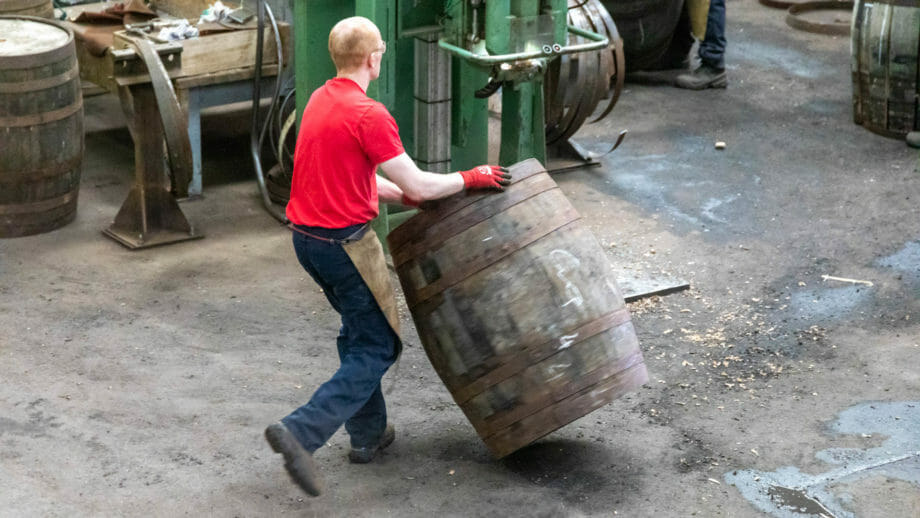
x=656, y=34
x=41, y=120
x=885, y=66
x=643, y=34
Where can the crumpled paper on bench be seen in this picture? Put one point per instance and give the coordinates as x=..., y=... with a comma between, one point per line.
x=181, y=30
x=215, y=13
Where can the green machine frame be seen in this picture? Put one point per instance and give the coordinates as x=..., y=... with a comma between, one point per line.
x=491, y=43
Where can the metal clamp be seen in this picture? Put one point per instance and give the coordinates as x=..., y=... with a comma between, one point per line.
x=598, y=42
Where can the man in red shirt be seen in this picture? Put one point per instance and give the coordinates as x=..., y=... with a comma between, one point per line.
x=344, y=137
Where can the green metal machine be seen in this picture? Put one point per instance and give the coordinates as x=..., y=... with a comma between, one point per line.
x=454, y=54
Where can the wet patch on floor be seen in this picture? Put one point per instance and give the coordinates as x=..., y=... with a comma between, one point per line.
x=824, y=304
x=826, y=107
x=39, y=424
x=659, y=183
x=800, y=64
x=789, y=493
x=905, y=262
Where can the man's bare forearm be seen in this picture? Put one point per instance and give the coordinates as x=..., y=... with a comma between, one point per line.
x=419, y=185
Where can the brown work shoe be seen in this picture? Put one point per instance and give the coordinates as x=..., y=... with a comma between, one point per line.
x=701, y=78
x=367, y=453
x=298, y=461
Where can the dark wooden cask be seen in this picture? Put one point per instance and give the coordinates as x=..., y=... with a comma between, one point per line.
x=656, y=33
x=41, y=126
x=885, y=61
x=40, y=8
x=517, y=308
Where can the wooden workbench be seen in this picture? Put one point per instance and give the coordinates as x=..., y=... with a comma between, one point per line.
x=210, y=70
x=216, y=69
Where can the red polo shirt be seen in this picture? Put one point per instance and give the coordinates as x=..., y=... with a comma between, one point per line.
x=344, y=135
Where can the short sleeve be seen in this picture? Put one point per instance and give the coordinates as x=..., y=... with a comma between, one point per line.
x=379, y=135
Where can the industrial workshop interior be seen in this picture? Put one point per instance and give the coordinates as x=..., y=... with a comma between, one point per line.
x=460, y=258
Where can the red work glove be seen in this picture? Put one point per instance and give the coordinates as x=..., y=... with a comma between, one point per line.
x=486, y=177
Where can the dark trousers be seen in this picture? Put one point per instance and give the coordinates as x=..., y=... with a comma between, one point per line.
x=712, y=48
x=367, y=346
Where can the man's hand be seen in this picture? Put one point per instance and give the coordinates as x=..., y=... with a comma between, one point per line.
x=486, y=177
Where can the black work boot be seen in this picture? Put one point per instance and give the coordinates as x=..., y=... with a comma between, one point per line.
x=297, y=460
x=703, y=77
x=367, y=453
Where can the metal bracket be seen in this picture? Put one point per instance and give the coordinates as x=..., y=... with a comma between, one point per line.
x=150, y=215
x=567, y=155
x=128, y=68
x=547, y=51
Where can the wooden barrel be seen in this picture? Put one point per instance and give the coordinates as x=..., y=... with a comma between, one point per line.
x=517, y=308
x=656, y=33
x=40, y=8
x=576, y=83
x=885, y=46
x=41, y=126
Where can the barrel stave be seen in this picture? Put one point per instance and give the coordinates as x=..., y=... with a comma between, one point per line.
x=904, y=42
x=554, y=379
x=550, y=418
x=509, y=311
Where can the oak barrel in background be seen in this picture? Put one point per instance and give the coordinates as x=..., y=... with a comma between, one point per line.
x=885, y=48
x=516, y=305
x=656, y=33
x=40, y=8
x=41, y=126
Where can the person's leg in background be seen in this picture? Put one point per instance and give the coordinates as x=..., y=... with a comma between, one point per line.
x=711, y=72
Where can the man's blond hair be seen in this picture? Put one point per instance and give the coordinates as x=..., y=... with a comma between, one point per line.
x=351, y=41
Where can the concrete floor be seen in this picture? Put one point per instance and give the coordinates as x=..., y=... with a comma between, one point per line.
x=139, y=383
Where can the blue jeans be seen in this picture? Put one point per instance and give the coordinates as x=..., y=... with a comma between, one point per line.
x=366, y=343
x=712, y=48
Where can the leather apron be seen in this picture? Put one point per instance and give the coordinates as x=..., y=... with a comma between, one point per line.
x=699, y=16
x=367, y=256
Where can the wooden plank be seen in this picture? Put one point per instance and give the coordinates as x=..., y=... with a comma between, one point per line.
x=224, y=51
x=877, y=46
x=857, y=57
x=904, y=44
x=224, y=76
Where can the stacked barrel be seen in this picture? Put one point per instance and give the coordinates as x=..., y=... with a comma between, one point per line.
x=885, y=63
x=41, y=126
